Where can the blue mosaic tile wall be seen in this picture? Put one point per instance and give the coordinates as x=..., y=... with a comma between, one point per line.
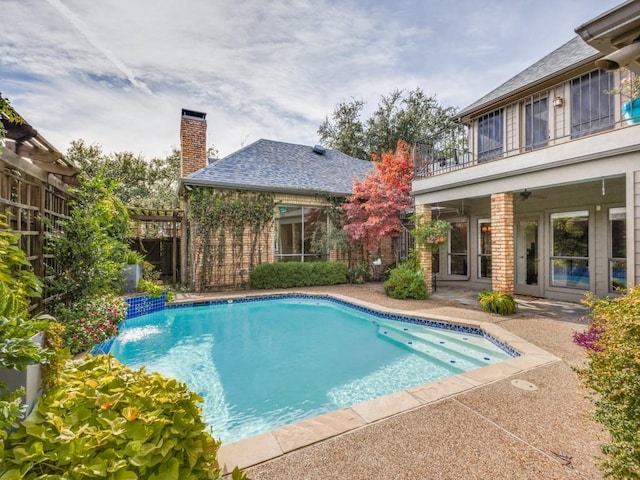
x=142, y=305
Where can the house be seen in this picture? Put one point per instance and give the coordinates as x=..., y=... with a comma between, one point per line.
x=282, y=190
x=34, y=181
x=541, y=183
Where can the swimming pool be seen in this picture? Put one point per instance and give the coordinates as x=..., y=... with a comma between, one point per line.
x=264, y=363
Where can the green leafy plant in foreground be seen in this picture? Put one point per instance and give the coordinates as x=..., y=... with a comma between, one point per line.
x=18, y=284
x=104, y=420
x=613, y=372
x=497, y=302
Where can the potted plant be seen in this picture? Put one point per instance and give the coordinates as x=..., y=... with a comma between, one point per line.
x=629, y=90
x=132, y=270
x=431, y=233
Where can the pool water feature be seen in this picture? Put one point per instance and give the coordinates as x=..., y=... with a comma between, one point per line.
x=265, y=363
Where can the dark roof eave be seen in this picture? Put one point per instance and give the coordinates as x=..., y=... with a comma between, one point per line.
x=256, y=188
x=466, y=115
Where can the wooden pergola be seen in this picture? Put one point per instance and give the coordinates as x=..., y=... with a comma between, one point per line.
x=34, y=181
x=159, y=227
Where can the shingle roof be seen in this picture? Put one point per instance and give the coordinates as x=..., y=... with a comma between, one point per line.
x=571, y=53
x=268, y=165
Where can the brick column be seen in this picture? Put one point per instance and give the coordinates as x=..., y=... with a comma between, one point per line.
x=424, y=255
x=502, y=243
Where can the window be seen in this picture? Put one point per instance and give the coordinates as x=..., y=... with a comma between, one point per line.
x=484, y=248
x=570, y=249
x=490, y=136
x=617, y=248
x=458, y=240
x=591, y=108
x=536, y=124
x=300, y=234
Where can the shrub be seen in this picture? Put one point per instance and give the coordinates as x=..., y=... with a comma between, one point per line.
x=104, y=420
x=91, y=321
x=613, y=372
x=297, y=274
x=89, y=246
x=150, y=288
x=406, y=281
x=497, y=302
x=359, y=273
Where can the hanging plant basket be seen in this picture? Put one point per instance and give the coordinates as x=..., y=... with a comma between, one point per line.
x=432, y=233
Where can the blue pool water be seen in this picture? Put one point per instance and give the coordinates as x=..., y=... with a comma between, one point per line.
x=264, y=364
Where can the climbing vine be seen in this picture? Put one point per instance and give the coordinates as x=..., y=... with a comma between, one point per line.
x=229, y=234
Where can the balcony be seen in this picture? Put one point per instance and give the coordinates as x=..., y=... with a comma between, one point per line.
x=584, y=106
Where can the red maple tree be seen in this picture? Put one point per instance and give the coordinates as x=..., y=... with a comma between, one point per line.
x=372, y=213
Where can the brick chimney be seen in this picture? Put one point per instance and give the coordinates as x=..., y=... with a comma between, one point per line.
x=193, y=142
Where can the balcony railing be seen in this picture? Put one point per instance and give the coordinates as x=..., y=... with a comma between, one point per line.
x=585, y=105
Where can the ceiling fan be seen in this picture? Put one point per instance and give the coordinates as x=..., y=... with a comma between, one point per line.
x=525, y=194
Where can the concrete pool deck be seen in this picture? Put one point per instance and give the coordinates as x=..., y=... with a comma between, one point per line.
x=524, y=418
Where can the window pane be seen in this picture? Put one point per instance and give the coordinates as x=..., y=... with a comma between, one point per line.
x=485, y=267
x=617, y=274
x=490, y=136
x=458, y=265
x=618, y=246
x=570, y=234
x=570, y=273
x=315, y=235
x=458, y=237
x=484, y=248
x=536, y=124
x=458, y=248
x=591, y=107
x=570, y=249
x=618, y=232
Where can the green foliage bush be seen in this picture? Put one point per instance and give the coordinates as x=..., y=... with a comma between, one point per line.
x=297, y=274
x=359, y=273
x=613, y=372
x=91, y=320
x=497, y=302
x=90, y=246
x=406, y=281
x=106, y=421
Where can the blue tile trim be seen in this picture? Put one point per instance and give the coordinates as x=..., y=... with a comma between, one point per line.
x=143, y=305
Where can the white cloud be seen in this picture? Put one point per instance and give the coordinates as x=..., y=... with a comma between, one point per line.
x=78, y=69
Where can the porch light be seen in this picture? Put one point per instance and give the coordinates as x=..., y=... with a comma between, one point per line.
x=558, y=101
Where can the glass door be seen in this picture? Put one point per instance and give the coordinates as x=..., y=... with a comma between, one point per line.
x=528, y=265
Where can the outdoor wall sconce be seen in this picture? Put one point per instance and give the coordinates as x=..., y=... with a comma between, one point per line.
x=558, y=101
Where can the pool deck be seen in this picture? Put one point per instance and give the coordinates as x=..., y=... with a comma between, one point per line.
x=525, y=418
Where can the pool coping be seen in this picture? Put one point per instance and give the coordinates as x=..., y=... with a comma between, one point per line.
x=275, y=443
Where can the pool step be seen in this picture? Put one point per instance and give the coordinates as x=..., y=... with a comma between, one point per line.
x=435, y=351
x=465, y=342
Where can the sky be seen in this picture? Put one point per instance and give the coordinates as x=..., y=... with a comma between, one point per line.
x=118, y=72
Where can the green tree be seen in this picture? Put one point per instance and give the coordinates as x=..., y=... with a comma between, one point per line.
x=89, y=247
x=410, y=116
x=346, y=132
x=7, y=111
x=139, y=183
